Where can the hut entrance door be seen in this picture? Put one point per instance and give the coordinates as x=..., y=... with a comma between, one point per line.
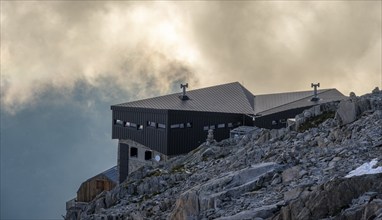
x=100, y=185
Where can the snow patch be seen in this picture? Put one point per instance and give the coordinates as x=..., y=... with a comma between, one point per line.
x=366, y=168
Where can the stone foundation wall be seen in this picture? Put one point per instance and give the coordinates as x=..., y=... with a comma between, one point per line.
x=139, y=161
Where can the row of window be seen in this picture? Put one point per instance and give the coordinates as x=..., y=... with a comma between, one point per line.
x=222, y=125
x=155, y=125
x=281, y=121
x=138, y=126
x=152, y=124
x=182, y=125
x=134, y=153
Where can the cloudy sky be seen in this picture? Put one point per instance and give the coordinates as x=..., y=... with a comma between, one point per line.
x=63, y=63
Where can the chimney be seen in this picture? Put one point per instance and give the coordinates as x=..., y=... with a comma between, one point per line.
x=315, y=97
x=184, y=96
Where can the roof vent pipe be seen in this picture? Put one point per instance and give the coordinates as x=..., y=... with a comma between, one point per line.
x=315, y=96
x=184, y=96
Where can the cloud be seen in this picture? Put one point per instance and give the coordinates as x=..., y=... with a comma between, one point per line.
x=284, y=46
x=146, y=46
x=60, y=43
x=47, y=151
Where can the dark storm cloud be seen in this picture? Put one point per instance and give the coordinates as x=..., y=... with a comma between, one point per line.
x=47, y=150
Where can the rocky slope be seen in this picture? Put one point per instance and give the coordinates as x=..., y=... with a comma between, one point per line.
x=271, y=174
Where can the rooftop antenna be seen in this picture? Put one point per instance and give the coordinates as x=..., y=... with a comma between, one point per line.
x=315, y=97
x=184, y=96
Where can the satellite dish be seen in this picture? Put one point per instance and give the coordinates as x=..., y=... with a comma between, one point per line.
x=157, y=158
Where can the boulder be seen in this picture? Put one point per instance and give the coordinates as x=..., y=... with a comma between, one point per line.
x=329, y=199
x=231, y=185
x=290, y=174
x=346, y=113
x=187, y=206
x=261, y=213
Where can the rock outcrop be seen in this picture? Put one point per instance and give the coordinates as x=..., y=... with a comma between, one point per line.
x=271, y=174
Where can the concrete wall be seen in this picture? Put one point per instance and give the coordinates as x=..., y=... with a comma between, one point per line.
x=135, y=163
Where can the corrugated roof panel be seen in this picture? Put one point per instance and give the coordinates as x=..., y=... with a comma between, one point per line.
x=268, y=101
x=112, y=174
x=226, y=98
x=327, y=95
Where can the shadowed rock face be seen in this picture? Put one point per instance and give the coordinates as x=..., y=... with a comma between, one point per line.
x=231, y=185
x=277, y=174
x=331, y=198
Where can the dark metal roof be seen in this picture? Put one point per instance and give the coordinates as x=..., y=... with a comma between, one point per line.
x=112, y=174
x=272, y=103
x=226, y=98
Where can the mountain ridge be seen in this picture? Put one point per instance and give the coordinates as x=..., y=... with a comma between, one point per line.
x=269, y=174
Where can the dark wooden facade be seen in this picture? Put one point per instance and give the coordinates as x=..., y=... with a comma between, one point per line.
x=278, y=120
x=153, y=137
x=183, y=140
x=94, y=186
x=183, y=131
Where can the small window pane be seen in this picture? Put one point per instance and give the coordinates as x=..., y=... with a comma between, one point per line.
x=181, y=125
x=119, y=122
x=133, y=152
x=133, y=125
x=148, y=155
x=189, y=125
x=174, y=126
x=140, y=127
x=205, y=128
x=230, y=125
x=161, y=125
x=221, y=125
x=151, y=124
x=212, y=127
x=127, y=124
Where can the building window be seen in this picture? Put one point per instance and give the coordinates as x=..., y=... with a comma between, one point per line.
x=177, y=126
x=140, y=127
x=221, y=125
x=161, y=125
x=205, y=128
x=133, y=125
x=230, y=125
x=127, y=124
x=119, y=122
x=174, y=126
x=148, y=155
x=189, y=125
x=133, y=152
x=274, y=122
x=151, y=124
x=212, y=126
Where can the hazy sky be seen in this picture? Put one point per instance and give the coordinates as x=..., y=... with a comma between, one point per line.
x=63, y=63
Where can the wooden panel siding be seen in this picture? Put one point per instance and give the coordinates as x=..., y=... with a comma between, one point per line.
x=89, y=189
x=155, y=138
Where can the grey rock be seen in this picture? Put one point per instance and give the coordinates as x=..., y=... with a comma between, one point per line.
x=262, y=213
x=329, y=200
x=292, y=194
x=231, y=178
x=346, y=113
x=290, y=174
x=376, y=90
